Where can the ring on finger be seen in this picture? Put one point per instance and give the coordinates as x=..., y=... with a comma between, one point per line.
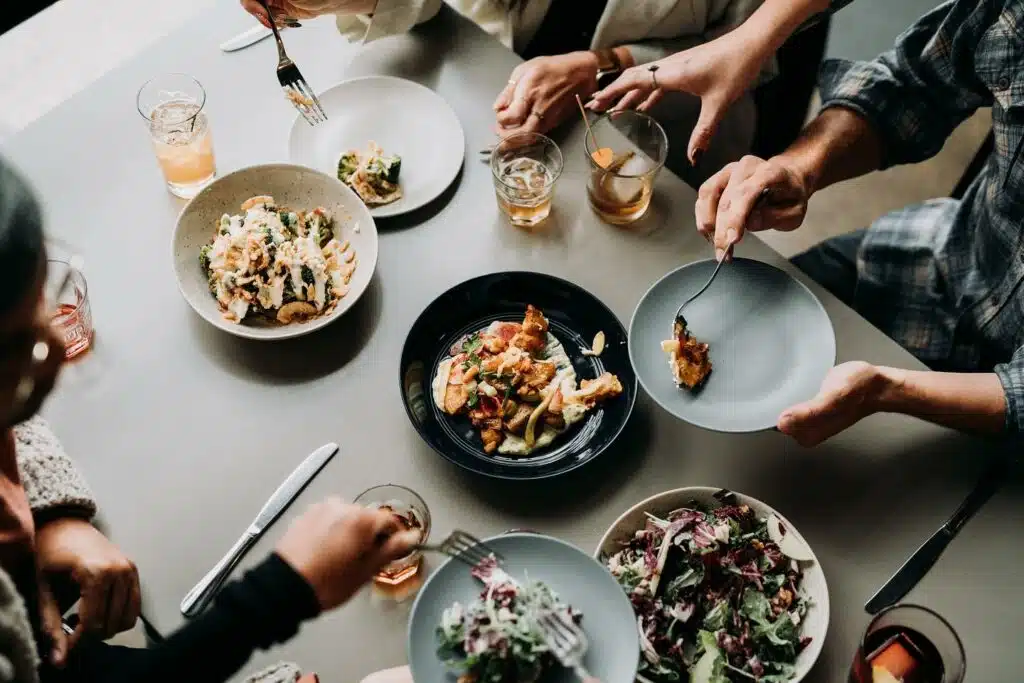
x=653, y=68
x=539, y=114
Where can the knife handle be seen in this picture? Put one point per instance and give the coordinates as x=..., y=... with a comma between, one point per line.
x=201, y=594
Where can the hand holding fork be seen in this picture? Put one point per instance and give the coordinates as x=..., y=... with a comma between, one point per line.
x=294, y=85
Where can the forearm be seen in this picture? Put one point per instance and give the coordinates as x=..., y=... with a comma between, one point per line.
x=774, y=22
x=972, y=402
x=262, y=609
x=837, y=145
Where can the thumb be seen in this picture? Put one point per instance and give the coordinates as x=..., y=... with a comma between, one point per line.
x=711, y=112
x=801, y=416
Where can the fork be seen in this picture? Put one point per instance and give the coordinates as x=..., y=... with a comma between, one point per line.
x=464, y=547
x=761, y=198
x=567, y=642
x=294, y=85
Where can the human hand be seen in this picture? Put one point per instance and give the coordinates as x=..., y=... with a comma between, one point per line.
x=337, y=547
x=107, y=580
x=727, y=203
x=300, y=9
x=541, y=92
x=718, y=72
x=850, y=392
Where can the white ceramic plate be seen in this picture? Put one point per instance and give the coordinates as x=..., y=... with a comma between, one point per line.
x=297, y=188
x=404, y=118
x=815, y=623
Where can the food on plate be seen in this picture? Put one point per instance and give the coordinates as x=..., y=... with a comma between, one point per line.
x=516, y=384
x=716, y=599
x=298, y=99
x=277, y=264
x=688, y=358
x=373, y=176
x=495, y=638
x=597, y=347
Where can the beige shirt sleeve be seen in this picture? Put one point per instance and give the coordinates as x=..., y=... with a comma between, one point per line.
x=390, y=17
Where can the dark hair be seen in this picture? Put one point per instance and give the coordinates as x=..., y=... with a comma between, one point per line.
x=21, y=237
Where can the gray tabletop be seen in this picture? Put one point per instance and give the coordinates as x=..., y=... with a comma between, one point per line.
x=184, y=431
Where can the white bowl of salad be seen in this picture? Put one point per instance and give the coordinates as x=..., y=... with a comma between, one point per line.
x=724, y=589
x=274, y=251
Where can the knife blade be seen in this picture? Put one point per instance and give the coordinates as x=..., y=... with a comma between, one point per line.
x=291, y=486
x=246, y=38
x=925, y=557
x=203, y=592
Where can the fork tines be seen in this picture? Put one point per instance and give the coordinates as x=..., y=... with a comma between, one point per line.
x=467, y=548
x=563, y=636
x=300, y=94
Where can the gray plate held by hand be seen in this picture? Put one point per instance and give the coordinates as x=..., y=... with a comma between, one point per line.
x=578, y=579
x=771, y=344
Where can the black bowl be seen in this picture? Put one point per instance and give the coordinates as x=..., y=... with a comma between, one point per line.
x=575, y=316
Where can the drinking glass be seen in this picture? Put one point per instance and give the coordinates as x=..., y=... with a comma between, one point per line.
x=525, y=167
x=620, y=192
x=173, y=106
x=410, y=507
x=911, y=644
x=71, y=313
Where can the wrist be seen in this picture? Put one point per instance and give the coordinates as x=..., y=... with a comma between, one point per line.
x=888, y=389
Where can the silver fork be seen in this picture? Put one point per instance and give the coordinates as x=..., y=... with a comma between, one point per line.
x=566, y=640
x=464, y=547
x=294, y=85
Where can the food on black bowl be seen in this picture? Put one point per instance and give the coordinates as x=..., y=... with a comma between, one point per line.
x=516, y=384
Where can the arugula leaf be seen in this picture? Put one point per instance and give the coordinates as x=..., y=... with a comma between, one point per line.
x=691, y=577
x=781, y=632
x=710, y=668
x=717, y=618
x=474, y=398
x=755, y=606
x=472, y=344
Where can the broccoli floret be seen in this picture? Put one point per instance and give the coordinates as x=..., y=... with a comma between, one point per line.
x=347, y=166
x=391, y=167
x=204, y=257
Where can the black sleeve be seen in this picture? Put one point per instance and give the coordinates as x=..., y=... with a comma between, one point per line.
x=262, y=609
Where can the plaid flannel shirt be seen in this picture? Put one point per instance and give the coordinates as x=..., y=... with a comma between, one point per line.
x=944, y=278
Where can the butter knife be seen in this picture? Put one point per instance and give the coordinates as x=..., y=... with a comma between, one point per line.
x=246, y=38
x=203, y=592
x=254, y=35
x=925, y=557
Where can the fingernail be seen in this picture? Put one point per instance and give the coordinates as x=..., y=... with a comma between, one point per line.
x=731, y=235
x=697, y=154
x=719, y=254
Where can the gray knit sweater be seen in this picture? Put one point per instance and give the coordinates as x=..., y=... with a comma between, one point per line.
x=54, y=486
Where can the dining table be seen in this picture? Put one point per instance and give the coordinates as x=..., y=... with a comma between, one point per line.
x=183, y=431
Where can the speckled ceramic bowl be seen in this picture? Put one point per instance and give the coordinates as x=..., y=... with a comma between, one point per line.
x=296, y=187
x=815, y=624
